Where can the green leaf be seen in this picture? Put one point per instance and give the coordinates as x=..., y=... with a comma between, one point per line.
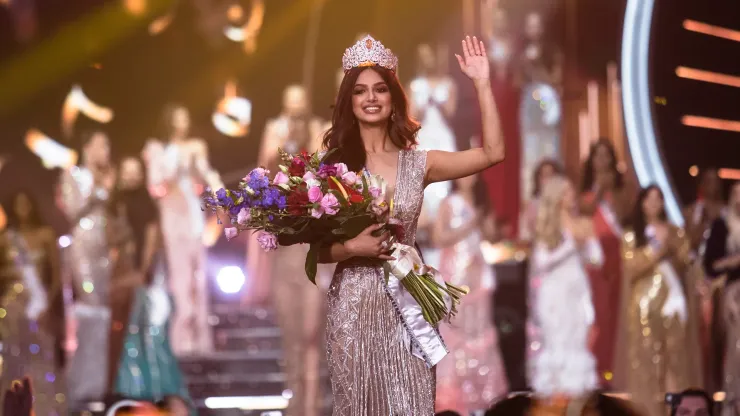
x=328, y=152
x=342, y=201
x=312, y=260
x=353, y=226
x=365, y=190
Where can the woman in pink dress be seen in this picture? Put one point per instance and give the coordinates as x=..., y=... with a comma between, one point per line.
x=603, y=197
x=473, y=376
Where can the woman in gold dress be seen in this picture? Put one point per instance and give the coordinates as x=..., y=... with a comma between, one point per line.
x=658, y=345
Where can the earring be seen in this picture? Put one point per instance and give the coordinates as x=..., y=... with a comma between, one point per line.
x=393, y=115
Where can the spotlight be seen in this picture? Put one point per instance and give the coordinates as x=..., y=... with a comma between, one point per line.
x=230, y=279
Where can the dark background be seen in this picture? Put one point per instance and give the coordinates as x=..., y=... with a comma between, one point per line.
x=137, y=74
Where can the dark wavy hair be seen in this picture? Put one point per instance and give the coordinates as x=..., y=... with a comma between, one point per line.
x=588, y=167
x=344, y=134
x=164, y=126
x=538, y=170
x=639, y=222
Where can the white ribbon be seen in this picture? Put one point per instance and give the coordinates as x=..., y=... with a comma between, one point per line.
x=675, y=304
x=420, y=337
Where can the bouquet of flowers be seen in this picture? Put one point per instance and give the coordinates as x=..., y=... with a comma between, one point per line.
x=309, y=201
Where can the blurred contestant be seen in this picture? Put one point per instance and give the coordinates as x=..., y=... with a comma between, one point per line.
x=433, y=101
x=142, y=306
x=658, y=344
x=85, y=194
x=176, y=172
x=28, y=325
x=473, y=376
x=563, y=309
x=298, y=303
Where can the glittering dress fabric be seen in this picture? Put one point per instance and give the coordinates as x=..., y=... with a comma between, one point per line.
x=26, y=347
x=372, y=373
x=473, y=375
x=731, y=380
x=657, y=352
x=87, y=260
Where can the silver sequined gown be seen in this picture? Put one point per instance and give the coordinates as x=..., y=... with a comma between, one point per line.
x=88, y=263
x=372, y=373
x=26, y=346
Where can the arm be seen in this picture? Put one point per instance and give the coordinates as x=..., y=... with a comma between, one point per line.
x=444, y=166
x=335, y=253
x=589, y=203
x=443, y=235
x=716, y=259
x=152, y=241
x=203, y=166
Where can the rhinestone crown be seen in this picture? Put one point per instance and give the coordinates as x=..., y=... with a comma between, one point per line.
x=368, y=52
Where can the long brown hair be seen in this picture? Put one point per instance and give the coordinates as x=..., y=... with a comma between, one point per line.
x=344, y=134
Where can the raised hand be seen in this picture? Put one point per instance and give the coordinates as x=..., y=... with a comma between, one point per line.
x=474, y=62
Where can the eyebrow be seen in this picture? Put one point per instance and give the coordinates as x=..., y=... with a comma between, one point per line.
x=374, y=85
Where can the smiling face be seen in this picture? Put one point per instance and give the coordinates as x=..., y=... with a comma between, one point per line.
x=371, y=98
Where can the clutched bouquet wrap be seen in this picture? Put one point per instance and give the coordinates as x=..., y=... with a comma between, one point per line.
x=310, y=201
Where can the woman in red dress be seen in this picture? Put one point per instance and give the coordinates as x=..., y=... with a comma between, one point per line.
x=604, y=197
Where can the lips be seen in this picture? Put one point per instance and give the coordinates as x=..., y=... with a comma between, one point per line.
x=371, y=109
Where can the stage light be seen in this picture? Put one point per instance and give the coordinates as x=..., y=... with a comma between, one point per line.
x=711, y=123
x=711, y=30
x=694, y=171
x=248, y=32
x=64, y=241
x=51, y=153
x=637, y=104
x=230, y=279
x=247, y=402
x=233, y=114
x=708, y=76
x=77, y=102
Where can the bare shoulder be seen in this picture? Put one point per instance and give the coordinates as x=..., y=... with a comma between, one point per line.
x=198, y=145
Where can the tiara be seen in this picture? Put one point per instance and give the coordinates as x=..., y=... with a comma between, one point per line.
x=368, y=52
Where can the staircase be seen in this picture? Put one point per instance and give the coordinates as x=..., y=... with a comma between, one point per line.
x=244, y=376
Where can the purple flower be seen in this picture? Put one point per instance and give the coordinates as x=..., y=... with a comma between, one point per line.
x=243, y=217
x=327, y=170
x=230, y=233
x=330, y=204
x=224, y=200
x=374, y=191
x=267, y=241
x=280, y=179
x=315, y=194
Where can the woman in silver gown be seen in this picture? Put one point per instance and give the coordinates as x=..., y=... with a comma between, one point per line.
x=372, y=370
x=27, y=321
x=85, y=191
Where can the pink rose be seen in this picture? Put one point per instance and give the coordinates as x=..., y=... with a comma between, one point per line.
x=350, y=178
x=308, y=176
x=341, y=169
x=310, y=179
x=317, y=212
x=281, y=179
x=244, y=216
x=267, y=241
x=315, y=194
x=330, y=204
x=230, y=233
x=374, y=191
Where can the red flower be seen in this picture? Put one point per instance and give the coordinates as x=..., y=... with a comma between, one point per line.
x=354, y=196
x=297, y=201
x=297, y=167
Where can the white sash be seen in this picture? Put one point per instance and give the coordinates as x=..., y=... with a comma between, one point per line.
x=420, y=337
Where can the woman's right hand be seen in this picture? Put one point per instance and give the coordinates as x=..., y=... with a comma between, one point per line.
x=368, y=245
